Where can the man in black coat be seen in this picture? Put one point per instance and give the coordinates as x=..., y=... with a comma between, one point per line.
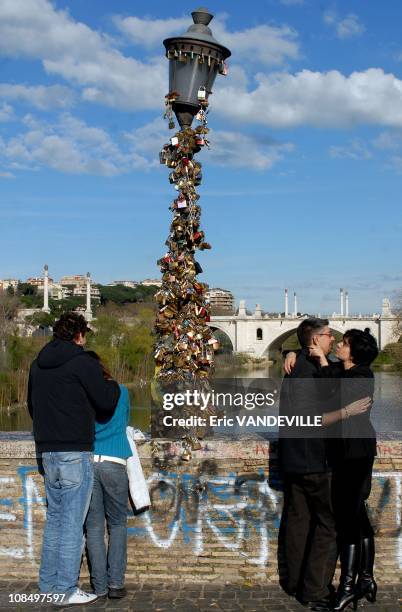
x=310, y=537
x=66, y=392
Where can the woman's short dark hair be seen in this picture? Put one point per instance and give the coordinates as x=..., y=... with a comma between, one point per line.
x=363, y=346
x=308, y=328
x=69, y=326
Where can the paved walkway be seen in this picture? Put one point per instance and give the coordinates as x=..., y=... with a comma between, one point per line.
x=201, y=597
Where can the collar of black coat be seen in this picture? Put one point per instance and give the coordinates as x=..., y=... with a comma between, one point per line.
x=359, y=370
x=57, y=352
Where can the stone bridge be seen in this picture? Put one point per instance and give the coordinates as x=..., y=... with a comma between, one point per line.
x=261, y=335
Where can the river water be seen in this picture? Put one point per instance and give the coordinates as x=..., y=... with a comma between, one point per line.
x=386, y=413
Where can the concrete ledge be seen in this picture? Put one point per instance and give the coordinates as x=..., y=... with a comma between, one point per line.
x=20, y=445
x=213, y=519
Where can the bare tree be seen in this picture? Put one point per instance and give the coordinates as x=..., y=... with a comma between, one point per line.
x=8, y=311
x=397, y=311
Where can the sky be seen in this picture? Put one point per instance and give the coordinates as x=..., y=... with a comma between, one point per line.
x=302, y=183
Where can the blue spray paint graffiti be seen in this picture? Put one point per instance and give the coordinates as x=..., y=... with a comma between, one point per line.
x=229, y=508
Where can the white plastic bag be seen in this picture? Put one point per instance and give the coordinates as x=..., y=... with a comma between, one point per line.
x=136, y=480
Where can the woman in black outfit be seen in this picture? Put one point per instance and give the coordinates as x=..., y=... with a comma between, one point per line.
x=352, y=448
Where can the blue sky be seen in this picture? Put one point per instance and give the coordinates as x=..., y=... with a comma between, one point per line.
x=301, y=186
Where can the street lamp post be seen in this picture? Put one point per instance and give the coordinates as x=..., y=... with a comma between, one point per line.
x=185, y=344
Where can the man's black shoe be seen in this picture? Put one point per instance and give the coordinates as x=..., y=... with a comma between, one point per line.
x=319, y=604
x=117, y=593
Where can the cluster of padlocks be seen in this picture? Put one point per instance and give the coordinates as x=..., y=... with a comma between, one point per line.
x=184, y=350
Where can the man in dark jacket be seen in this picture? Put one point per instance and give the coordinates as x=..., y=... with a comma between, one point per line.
x=310, y=537
x=66, y=392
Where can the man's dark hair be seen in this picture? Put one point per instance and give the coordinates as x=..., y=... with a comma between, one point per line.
x=69, y=326
x=308, y=328
x=363, y=346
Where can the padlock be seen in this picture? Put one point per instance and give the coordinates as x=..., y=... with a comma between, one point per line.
x=223, y=68
x=198, y=236
x=202, y=93
x=171, y=124
x=200, y=141
x=181, y=203
x=174, y=141
x=186, y=455
x=204, y=245
x=195, y=444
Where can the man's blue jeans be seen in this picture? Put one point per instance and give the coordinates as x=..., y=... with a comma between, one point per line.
x=110, y=501
x=68, y=485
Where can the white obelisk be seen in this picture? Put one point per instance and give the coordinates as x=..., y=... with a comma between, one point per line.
x=88, y=311
x=346, y=303
x=295, y=305
x=341, y=293
x=46, y=289
x=286, y=304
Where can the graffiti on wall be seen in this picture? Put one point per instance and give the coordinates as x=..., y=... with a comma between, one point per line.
x=193, y=509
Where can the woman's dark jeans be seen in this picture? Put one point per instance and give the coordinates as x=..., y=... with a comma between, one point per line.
x=109, y=501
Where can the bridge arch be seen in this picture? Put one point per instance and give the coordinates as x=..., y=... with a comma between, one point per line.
x=276, y=343
x=222, y=329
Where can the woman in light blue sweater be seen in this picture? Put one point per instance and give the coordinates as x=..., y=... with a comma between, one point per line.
x=109, y=501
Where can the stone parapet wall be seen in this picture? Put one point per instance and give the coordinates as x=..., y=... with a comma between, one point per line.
x=215, y=518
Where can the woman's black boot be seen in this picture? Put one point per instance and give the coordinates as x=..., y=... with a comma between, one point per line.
x=346, y=592
x=366, y=585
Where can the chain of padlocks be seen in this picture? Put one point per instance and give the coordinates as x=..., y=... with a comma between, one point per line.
x=184, y=351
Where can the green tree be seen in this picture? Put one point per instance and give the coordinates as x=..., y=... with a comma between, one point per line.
x=120, y=294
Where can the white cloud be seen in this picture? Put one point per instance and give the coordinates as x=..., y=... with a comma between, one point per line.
x=356, y=149
x=390, y=145
x=264, y=44
x=150, y=32
x=6, y=175
x=86, y=58
x=348, y=27
x=69, y=146
x=6, y=112
x=228, y=148
x=320, y=99
x=35, y=29
x=237, y=150
x=39, y=96
x=389, y=140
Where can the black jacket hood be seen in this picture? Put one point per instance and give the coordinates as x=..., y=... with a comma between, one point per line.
x=57, y=353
